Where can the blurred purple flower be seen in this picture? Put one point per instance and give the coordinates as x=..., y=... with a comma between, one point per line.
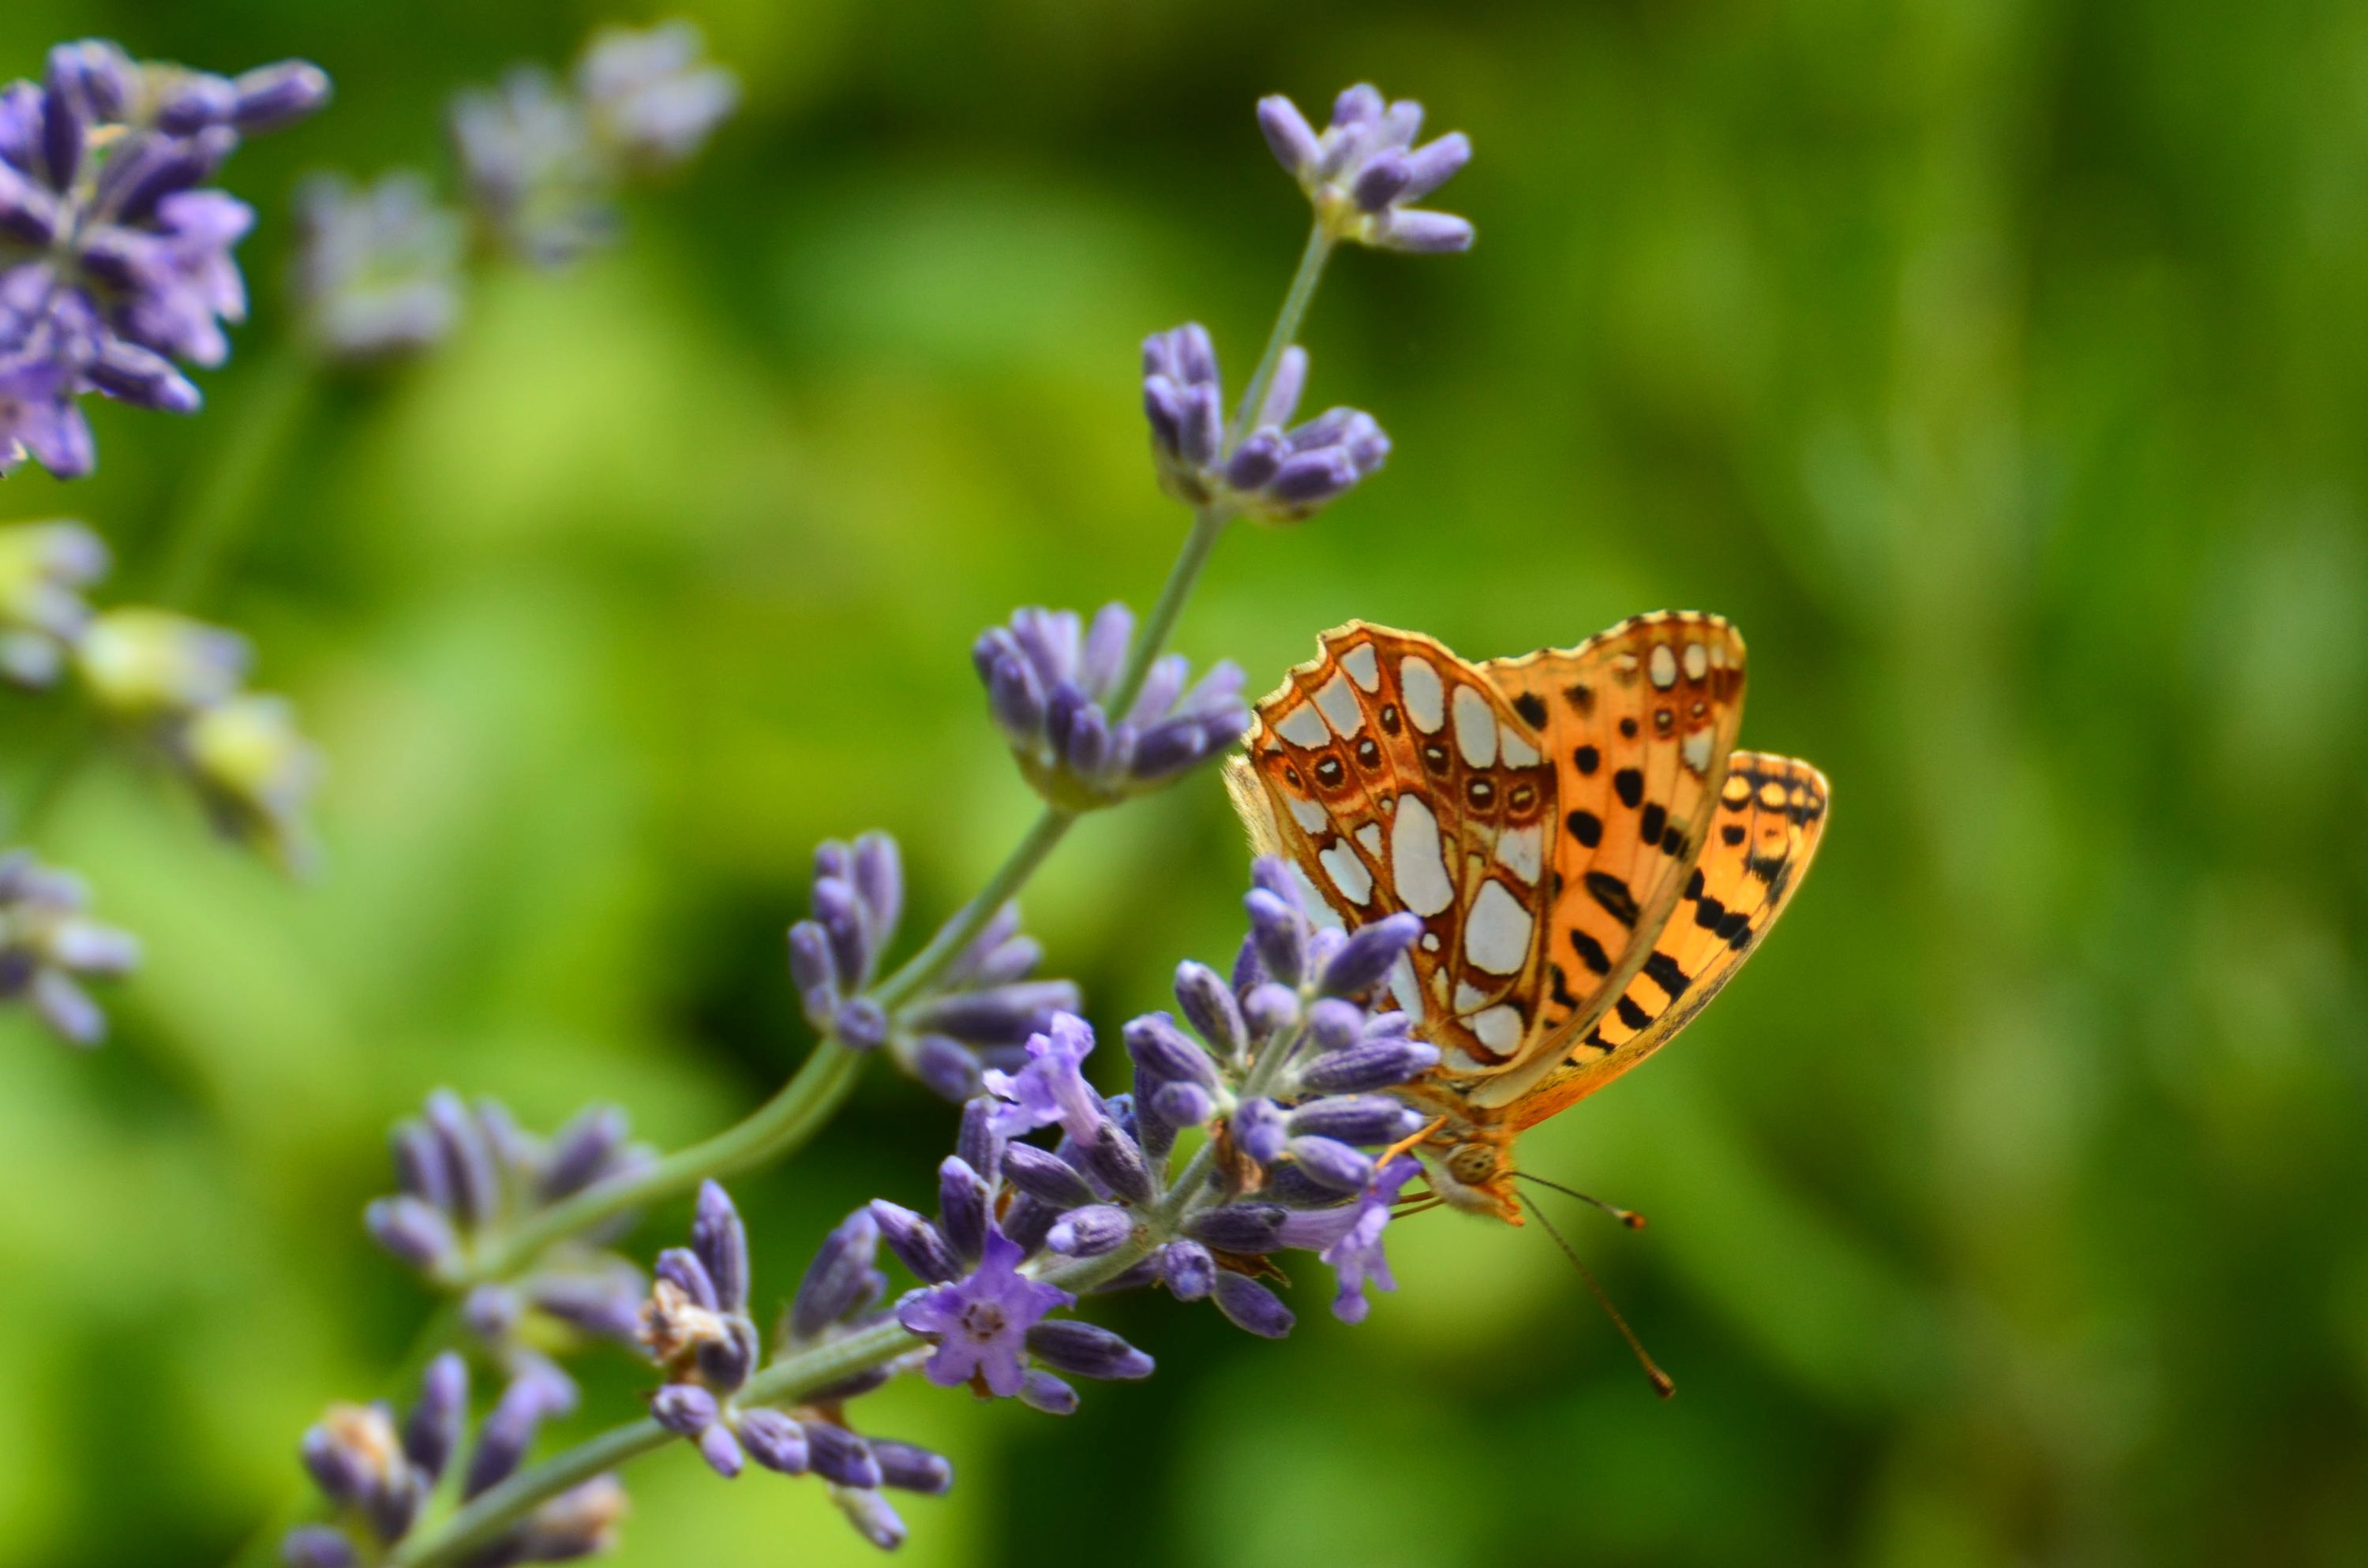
x=1275, y=471
x=1363, y=168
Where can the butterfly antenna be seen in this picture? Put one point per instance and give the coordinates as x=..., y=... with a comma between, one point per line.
x=1628, y=1217
x=1662, y=1382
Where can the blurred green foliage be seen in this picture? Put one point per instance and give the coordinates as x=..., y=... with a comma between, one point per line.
x=1999, y=368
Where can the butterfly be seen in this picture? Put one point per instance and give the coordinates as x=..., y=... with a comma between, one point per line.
x=1590, y=856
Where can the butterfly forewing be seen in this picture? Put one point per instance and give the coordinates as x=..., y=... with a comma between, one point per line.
x=1638, y=721
x=1769, y=818
x=1397, y=776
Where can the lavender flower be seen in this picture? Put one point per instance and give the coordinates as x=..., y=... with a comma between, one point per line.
x=376, y=272
x=43, y=568
x=113, y=264
x=49, y=945
x=981, y=1322
x=467, y=1175
x=1049, y=682
x=980, y=1012
x=241, y=752
x=1273, y=473
x=650, y=96
x=1363, y=169
x=696, y=1325
x=378, y=1474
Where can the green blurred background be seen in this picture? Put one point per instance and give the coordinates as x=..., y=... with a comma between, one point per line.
x=2000, y=368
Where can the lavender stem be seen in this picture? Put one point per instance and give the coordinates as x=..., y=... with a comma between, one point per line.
x=1287, y=322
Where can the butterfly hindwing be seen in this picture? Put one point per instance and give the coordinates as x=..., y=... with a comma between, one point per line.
x=1397, y=776
x=1771, y=817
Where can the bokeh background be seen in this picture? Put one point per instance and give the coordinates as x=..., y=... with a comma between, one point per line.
x=1999, y=368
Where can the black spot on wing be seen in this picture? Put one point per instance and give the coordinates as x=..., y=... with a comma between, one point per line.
x=1635, y=1017
x=1630, y=785
x=1613, y=895
x=1533, y=709
x=1590, y=952
x=1657, y=817
x=1587, y=759
x=1587, y=827
x=1666, y=974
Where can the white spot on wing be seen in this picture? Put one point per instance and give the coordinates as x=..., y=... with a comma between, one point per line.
x=1518, y=753
x=1310, y=816
x=1370, y=836
x=1319, y=909
x=1418, y=865
x=1362, y=666
x=1663, y=668
x=1303, y=727
x=1468, y=999
x=1406, y=990
x=1498, y=1029
x=1339, y=705
x=1697, y=662
x=1346, y=872
x=1425, y=699
x=1522, y=850
x=1430, y=941
x=1696, y=750
x=1476, y=727
x=1496, y=934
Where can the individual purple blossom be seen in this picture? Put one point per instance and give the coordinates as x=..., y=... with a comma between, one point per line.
x=50, y=946
x=1051, y=1089
x=1350, y=1239
x=1361, y=171
x=376, y=273
x=980, y=1322
x=1267, y=467
x=1053, y=685
x=113, y=262
x=44, y=567
x=651, y=97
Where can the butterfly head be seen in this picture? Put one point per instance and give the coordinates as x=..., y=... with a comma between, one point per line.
x=1471, y=1168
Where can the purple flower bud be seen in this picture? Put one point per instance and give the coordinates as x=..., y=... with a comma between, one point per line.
x=1288, y=133
x=1183, y=1104
x=1425, y=233
x=1361, y=1069
x=1116, y=1160
x=1238, y=1227
x=726, y=1363
x=916, y=1242
x=1384, y=176
x=1189, y=1270
x=1254, y=461
x=774, y=1440
x=28, y=214
x=468, y=1162
x=911, y=1469
x=1371, y=952
x=1209, y=1002
x=1090, y=1232
x=197, y=100
x=860, y=1024
x=684, y=1409
x=271, y=97
x=722, y=1451
x=1433, y=165
x=839, y=1280
x=506, y=1433
x=1041, y=1391
x=1355, y=1118
x=65, y=117
x=834, y=905
x=1258, y=1130
x=1359, y=105
x=410, y=1229
x=1161, y=1049
x=812, y=972
x=683, y=1269
x=873, y=1519
x=978, y=1144
x=1029, y=1219
x=605, y=1305
x=1334, y=1025
x=1006, y=1015
x=317, y=1546
x=945, y=1067
x=839, y=1456
x=1332, y=1163
x=492, y=1312
x=1045, y=1176
x=581, y=1152
x=1087, y=1350
x=432, y=1431
x=1251, y=1306
x=722, y=1243
x=962, y=1198
x=879, y=874
x=1271, y=1010
x=1312, y=478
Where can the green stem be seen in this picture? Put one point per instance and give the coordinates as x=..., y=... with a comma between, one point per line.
x=774, y=1129
x=218, y=510
x=1287, y=322
x=785, y=1382
x=1207, y=527
x=960, y=931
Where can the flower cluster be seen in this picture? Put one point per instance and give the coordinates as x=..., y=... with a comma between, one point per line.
x=377, y=268
x=1273, y=473
x=696, y=1325
x=975, y=1013
x=467, y=1175
x=49, y=945
x=379, y=1473
x=1361, y=172
x=183, y=681
x=1054, y=689
x=43, y=568
x=541, y=161
x=114, y=264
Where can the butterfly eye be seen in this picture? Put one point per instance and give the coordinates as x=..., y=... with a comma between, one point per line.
x=1434, y=757
x=1369, y=756
x=1473, y=1164
x=1330, y=773
x=1480, y=792
x=1389, y=718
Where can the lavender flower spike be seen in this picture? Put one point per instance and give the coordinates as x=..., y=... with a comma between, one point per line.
x=376, y=274
x=1276, y=472
x=980, y=1322
x=1050, y=681
x=651, y=97
x=43, y=568
x=49, y=945
x=1363, y=169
